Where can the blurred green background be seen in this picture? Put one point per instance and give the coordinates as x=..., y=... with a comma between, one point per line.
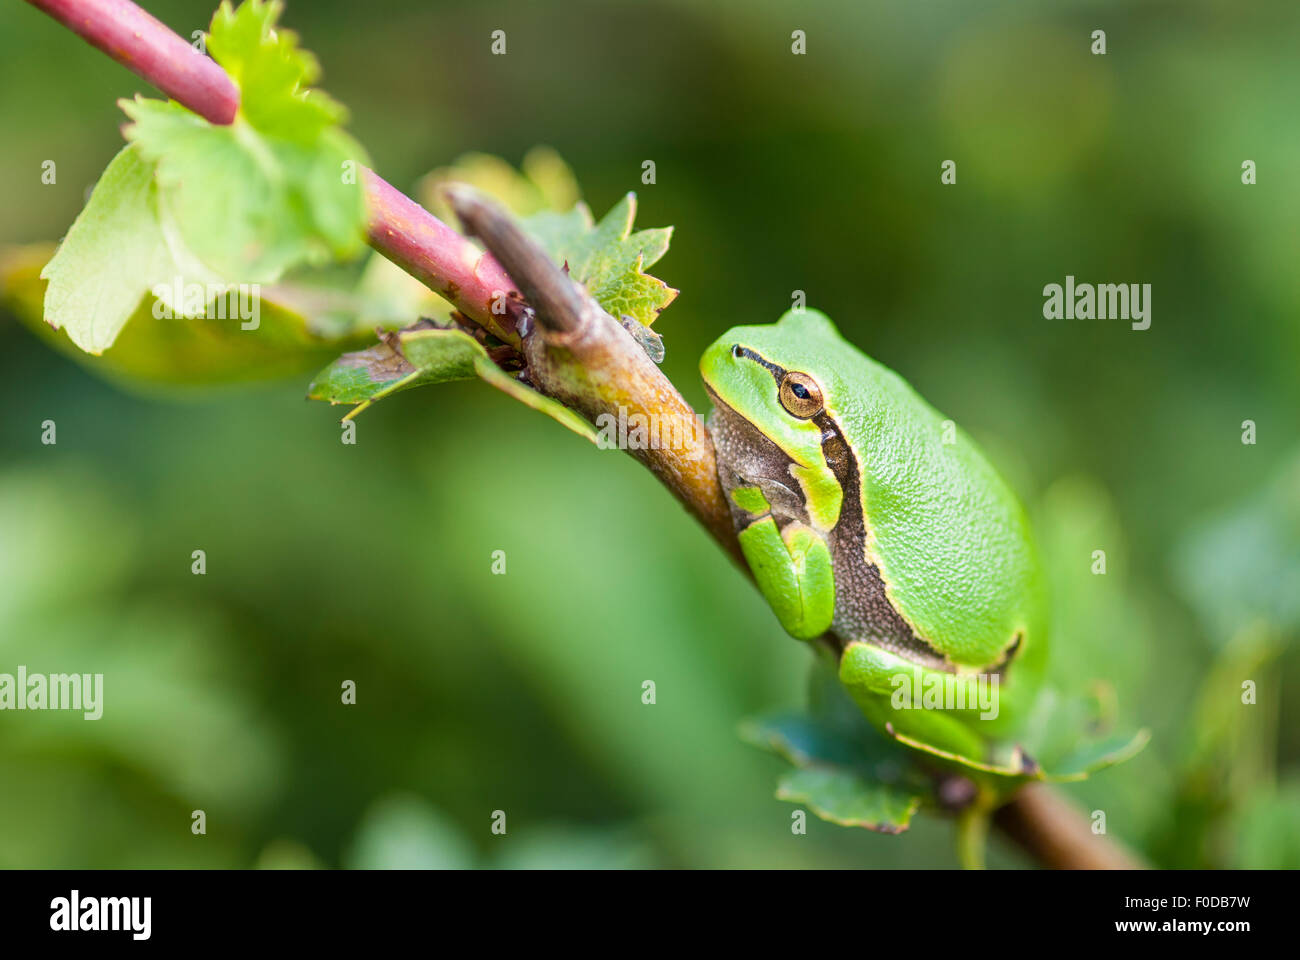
x=522, y=692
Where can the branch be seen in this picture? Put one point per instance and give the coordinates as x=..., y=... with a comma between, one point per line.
x=595, y=367
x=578, y=354
x=148, y=49
x=399, y=228
x=436, y=255
x=1048, y=826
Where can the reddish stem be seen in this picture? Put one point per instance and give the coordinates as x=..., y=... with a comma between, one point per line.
x=399, y=228
x=148, y=48
x=436, y=255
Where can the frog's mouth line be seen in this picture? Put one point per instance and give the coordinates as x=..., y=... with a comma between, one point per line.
x=767, y=466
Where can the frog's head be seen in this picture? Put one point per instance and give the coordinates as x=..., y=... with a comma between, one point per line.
x=774, y=388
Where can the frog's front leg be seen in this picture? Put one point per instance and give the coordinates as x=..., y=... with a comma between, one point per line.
x=792, y=566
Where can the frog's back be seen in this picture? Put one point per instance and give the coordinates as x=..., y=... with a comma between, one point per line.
x=949, y=538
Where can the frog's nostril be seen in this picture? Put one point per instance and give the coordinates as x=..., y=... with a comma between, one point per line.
x=737, y=351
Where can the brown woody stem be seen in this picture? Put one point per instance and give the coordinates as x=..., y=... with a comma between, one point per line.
x=1044, y=822
x=580, y=356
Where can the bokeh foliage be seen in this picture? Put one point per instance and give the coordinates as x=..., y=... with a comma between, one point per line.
x=523, y=692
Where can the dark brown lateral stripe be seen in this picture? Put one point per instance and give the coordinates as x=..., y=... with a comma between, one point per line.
x=862, y=608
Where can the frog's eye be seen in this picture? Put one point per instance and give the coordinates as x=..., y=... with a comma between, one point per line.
x=800, y=395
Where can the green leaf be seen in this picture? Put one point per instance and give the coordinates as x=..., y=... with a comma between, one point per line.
x=846, y=799
x=364, y=376
x=800, y=740
x=251, y=205
x=113, y=255
x=1065, y=739
x=835, y=777
x=272, y=73
x=804, y=739
x=845, y=771
x=1094, y=755
x=545, y=183
x=608, y=258
x=302, y=324
x=190, y=202
x=278, y=187
x=850, y=774
x=423, y=355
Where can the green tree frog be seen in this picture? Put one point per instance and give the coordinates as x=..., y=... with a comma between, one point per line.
x=866, y=515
